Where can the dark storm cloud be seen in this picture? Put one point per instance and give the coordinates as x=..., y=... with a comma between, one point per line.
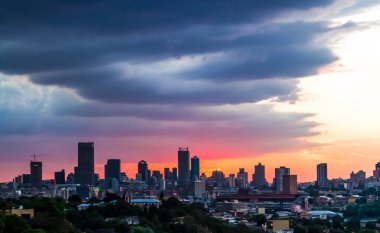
x=110, y=85
x=74, y=38
x=284, y=50
x=104, y=51
x=120, y=17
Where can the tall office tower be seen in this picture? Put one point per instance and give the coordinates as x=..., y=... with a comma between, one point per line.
x=175, y=174
x=195, y=168
x=289, y=184
x=35, y=174
x=70, y=178
x=242, y=178
x=357, y=180
x=112, y=169
x=167, y=173
x=60, y=177
x=376, y=172
x=183, y=165
x=258, y=178
x=142, y=170
x=157, y=174
x=322, y=180
x=231, y=181
x=25, y=179
x=84, y=173
x=279, y=172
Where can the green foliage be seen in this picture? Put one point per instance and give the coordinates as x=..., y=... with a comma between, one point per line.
x=15, y=224
x=351, y=210
x=300, y=229
x=370, y=225
x=34, y=231
x=337, y=223
x=50, y=206
x=52, y=224
x=111, y=197
x=367, y=231
x=141, y=230
x=353, y=225
x=75, y=200
x=89, y=219
x=2, y=223
x=171, y=203
x=336, y=231
x=362, y=210
x=260, y=219
x=6, y=204
x=315, y=229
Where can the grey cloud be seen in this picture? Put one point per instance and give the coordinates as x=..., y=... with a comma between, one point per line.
x=111, y=86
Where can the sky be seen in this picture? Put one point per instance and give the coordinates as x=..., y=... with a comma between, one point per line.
x=285, y=83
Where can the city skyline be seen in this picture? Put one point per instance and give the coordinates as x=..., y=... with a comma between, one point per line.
x=143, y=172
x=284, y=83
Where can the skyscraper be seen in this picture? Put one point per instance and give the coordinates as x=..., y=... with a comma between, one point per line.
x=242, y=178
x=35, y=174
x=258, y=178
x=195, y=168
x=142, y=170
x=183, y=165
x=376, y=172
x=60, y=177
x=175, y=174
x=25, y=179
x=85, y=171
x=322, y=180
x=112, y=169
x=279, y=173
x=167, y=174
x=289, y=184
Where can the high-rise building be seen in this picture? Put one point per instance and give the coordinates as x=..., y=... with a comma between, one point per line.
x=84, y=173
x=279, y=173
x=175, y=174
x=357, y=180
x=289, y=184
x=142, y=170
x=242, y=178
x=195, y=168
x=183, y=165
x=60, y=177
x=112, y=169
x=258, y=178
x=376, y=172
x=167, y=174
x=322, y=180
x=70, y=178
x=157, y=174
x=231, y=181
x=25, y=179
x=35, y=174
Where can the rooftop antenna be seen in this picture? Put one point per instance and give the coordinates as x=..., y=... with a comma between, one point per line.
x=34, y=157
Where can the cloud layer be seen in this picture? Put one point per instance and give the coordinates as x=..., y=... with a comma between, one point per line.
x=188, y=70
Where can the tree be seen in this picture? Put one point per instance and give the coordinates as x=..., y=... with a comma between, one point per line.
x=353, y=224
x=315, y=229
x=260, y=219
x=2, y=224
x=15, y=224
x=337, y=223
x=34, y=231
x=75, y=200
x=171, y=203
x=370, y=225
x=300, y=229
